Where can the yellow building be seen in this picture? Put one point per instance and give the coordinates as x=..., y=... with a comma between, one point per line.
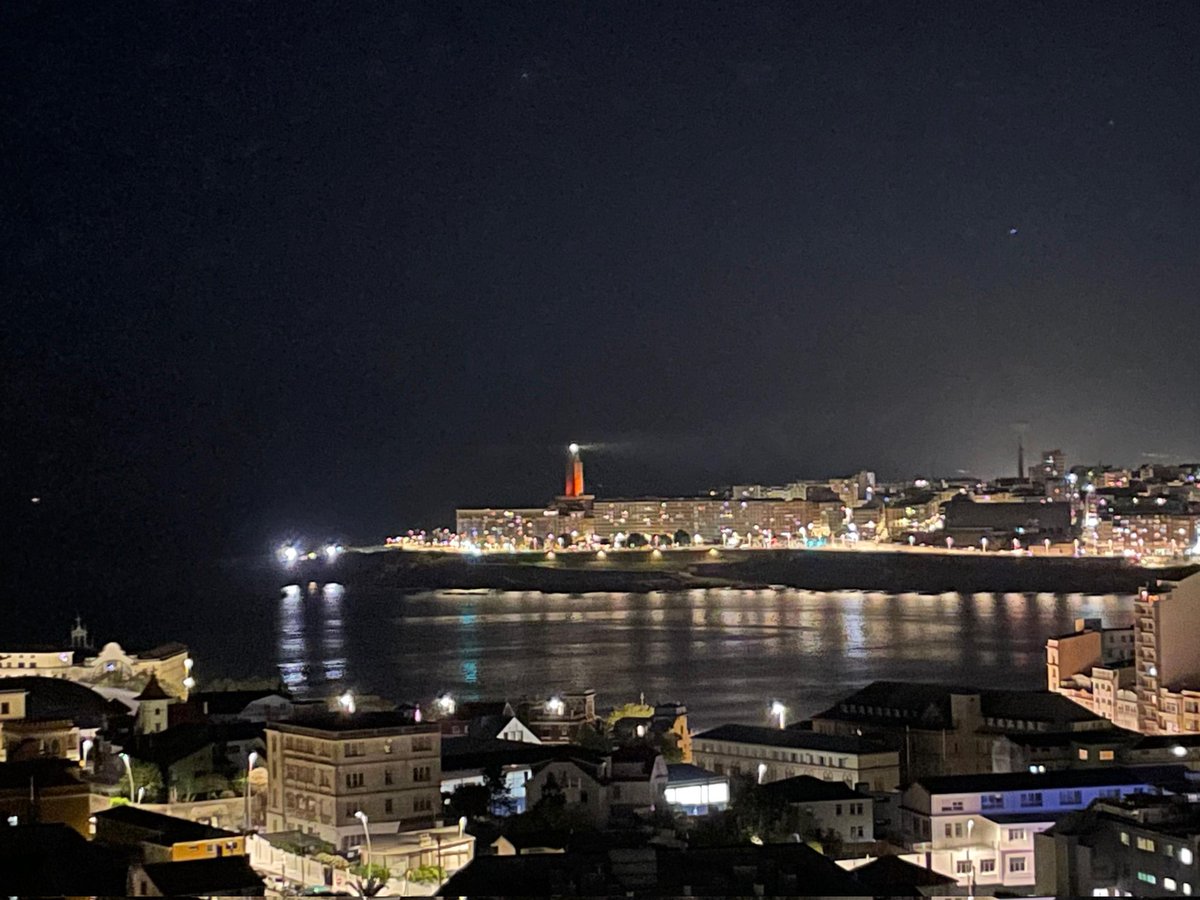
x=163, y=838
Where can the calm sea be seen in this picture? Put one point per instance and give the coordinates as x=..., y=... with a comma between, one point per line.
x=725, y=653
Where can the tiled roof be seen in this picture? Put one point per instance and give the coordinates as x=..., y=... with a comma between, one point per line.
x=792, y=738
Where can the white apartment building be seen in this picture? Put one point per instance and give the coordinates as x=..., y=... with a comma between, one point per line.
x=1168, y=657
x=772, y=754
x=979, y=829
x=327, y=769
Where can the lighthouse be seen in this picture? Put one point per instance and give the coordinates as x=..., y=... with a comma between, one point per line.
x=574, y=482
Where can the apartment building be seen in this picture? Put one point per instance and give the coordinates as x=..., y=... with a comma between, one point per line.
x=1167, y=657
x=327, y=769
x=833, y=806
x=1139, y=846
x=980, y=829
x=941, y=730
x=772, y=754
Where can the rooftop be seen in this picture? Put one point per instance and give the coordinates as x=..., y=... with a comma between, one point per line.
x=462, y=753
x=167, y=829
x=892, y=876
x=686, y=773
x=39, y=773
x=153, y=690
x=348, y=723
x=54, y=860
x=806, y=789
x=229, y=703
x=928, y=705
x=1116, y=776
x=204, y=877
x=162, y=651
x=57, y=699
x=794, y=738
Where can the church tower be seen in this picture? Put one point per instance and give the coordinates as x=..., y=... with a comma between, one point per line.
x=152, y=708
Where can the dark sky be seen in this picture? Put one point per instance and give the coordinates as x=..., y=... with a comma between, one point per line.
x=332, y=269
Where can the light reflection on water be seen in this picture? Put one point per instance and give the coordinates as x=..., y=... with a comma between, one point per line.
x=725, y=653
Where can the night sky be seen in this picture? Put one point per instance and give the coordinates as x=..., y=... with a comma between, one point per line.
x=329, y=270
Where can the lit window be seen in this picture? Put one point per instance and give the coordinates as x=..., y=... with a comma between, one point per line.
x=1106, y=756
x=1145, y=844
x=1185, y=856
x=1169, y=884
x=1125, y=838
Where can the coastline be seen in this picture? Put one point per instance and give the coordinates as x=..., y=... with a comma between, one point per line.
x=890, y=572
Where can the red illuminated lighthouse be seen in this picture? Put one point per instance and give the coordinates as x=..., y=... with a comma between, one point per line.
x=574, y=485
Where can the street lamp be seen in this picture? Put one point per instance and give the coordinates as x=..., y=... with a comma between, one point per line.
x=141, y=794
x=762, y=772
x=250, y=761
x=129, y=772
x=87, y=746
x=778, y=710
x=346, y=702
x=446, y=705
x=555, y=706
x=362, y=817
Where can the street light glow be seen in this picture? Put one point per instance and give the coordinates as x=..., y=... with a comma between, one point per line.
x=778, y=711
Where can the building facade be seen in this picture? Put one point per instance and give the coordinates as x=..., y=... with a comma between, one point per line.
x=325, y=770
x=1167, y=657
x=773, y=754
x=110, y=665
x=1137, y=846
x=980, y=829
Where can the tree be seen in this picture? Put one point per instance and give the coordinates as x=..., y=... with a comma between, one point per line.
x=591, y=738
x=372, y=879
x=628, y=711
x=426, y=875
x=499, y=796
x=145, y=775
x=470, y=800
x=682, y=538
x=636, y=539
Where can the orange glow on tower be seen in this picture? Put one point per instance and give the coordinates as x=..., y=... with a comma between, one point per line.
x=574, y=483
